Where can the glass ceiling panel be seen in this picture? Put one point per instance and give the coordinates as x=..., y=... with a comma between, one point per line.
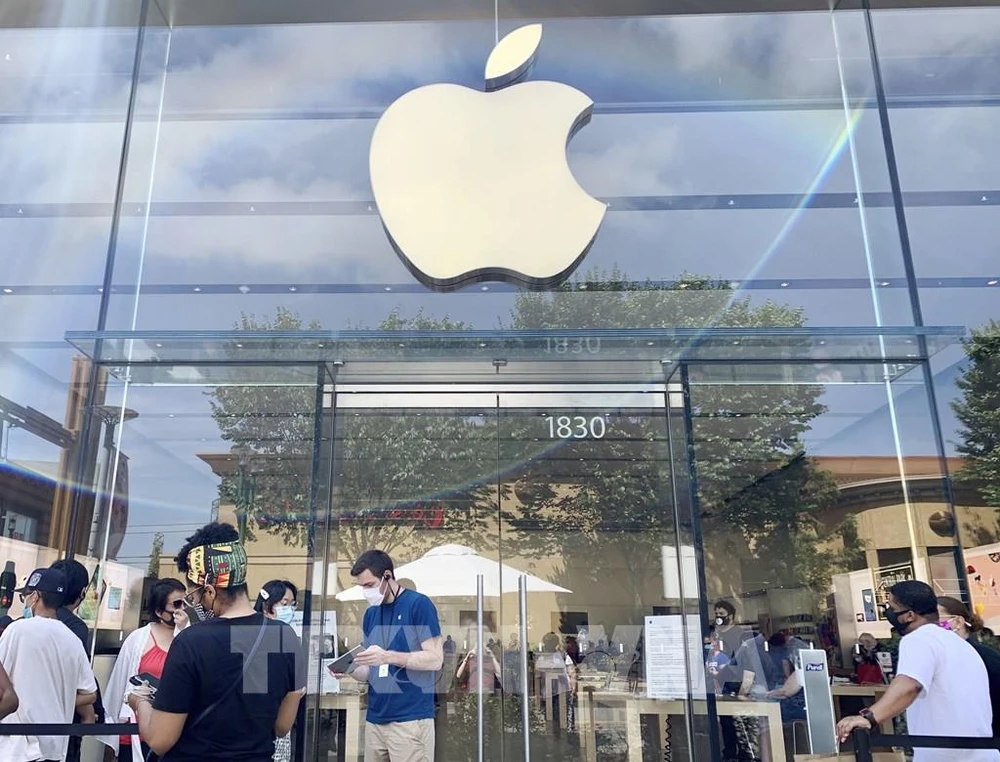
x=598, y=355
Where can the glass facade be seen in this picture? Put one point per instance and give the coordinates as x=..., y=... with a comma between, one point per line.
x=755, y=388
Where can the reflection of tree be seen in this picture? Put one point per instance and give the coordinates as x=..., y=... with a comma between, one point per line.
x=270, y=429
x=397, y=475
x=978, y=410
x=754, y=478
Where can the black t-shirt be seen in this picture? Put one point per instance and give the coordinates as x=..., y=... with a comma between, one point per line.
x=991, y=660
x=205, y=664
x=79, y=628
x=76, y=625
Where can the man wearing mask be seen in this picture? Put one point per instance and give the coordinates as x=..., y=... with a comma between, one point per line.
x=731, y=638
x=231, y=684
x=47, y=665
x=940, y=682
x=77, y=582
x=403, y=651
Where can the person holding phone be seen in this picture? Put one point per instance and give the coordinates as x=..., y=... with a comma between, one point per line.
x=144, y=652
x=231, y=684
x=403, y=652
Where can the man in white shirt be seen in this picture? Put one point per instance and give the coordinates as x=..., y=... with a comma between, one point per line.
x=47, y=667
x=940, y=683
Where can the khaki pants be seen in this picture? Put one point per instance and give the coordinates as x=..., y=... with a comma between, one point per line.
x=400, y=741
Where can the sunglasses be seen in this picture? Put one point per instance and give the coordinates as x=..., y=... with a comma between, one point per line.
x=177, y=605
x=189, y=598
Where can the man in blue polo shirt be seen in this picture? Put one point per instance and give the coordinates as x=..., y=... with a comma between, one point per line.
x=403, y=652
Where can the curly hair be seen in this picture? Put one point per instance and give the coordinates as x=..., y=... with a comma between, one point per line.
x=210, y=534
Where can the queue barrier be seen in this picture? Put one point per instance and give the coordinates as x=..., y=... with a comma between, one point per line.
x=865, y=741
x=67, y=729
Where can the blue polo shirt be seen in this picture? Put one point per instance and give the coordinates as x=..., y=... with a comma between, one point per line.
x=402, y=695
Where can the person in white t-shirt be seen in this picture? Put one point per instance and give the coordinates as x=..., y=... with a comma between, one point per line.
x=47, y=667
x=940, y=683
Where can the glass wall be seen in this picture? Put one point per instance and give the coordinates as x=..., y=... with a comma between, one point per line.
x=941, y=85
x=63, y=113
x=791, y=216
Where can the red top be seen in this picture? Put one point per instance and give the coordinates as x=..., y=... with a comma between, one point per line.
x=152, y=662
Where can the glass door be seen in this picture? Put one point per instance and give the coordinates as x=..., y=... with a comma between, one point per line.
x=588, y=528
x=541, y=524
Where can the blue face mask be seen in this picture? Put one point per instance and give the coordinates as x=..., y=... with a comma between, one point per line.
x=284, y=613
x=27, y=613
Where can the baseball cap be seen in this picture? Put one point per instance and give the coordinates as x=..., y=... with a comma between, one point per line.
x=44, y=581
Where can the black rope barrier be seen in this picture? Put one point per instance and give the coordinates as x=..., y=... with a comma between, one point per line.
x=68, y=729
x=865, y=741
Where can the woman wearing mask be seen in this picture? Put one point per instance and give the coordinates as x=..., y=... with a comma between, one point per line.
x=278, y=600
x=955, y=616
x=144, y=651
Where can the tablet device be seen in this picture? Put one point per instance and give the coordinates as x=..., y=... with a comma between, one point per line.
x=342, y=665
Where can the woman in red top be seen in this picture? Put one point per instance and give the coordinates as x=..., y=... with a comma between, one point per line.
x=144, y=651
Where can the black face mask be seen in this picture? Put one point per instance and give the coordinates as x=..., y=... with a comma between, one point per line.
x=168, y=621
x=722, y=621
x=893, y=617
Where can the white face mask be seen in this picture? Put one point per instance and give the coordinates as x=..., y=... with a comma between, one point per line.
x=374, y=595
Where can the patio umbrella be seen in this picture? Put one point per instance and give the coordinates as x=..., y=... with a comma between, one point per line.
x=449, y=571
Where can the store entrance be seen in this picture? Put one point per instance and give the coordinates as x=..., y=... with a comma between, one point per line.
x=543, y=523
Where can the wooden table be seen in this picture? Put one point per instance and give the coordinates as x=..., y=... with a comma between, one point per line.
x=350, y=702
x=874, y=692
x=636, y=706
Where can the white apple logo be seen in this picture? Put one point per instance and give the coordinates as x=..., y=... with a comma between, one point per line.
x=475, y=186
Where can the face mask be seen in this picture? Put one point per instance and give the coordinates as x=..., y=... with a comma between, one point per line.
x=893, y=617
x=374, y=595
x=721, y=620
x=168, y=622
x=202, y=613
x=945, y=624
x=284, y=613
x=28, y=613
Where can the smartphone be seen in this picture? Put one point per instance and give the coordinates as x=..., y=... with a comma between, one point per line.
x=342, y=665
x=145, y=677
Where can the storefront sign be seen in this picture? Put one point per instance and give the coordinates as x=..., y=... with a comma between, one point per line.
x=476, y=186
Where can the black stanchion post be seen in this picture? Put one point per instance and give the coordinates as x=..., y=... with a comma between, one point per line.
x=862, y=745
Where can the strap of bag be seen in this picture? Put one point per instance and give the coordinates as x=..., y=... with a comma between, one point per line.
x=228, y=691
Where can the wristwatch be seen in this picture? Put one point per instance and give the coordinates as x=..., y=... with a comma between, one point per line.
x=867, y=714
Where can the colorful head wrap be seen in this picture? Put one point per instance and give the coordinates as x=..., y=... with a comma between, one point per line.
x=223, y=564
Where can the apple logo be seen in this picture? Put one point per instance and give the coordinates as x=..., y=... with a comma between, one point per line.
x=474, y=186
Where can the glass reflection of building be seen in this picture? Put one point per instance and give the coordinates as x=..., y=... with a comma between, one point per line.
x=743, y=392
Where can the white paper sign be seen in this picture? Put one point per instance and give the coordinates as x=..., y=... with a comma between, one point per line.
x=665, y=657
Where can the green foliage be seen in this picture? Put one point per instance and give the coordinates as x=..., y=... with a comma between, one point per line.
x=978, y=410
x=754, y=478
x=155, y=554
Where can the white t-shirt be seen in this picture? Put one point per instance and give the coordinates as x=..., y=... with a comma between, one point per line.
x=955, y=700
x=47, y=667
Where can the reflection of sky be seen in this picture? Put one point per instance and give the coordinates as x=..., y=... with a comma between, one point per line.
x=686, y=106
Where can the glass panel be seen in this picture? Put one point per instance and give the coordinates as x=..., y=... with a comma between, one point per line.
x=813, y=496
x=587, y=516
x=415, y=475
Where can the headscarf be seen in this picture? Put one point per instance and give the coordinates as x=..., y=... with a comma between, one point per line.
x=223, y=564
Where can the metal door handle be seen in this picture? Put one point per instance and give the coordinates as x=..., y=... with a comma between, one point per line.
x=522, y=600
x=482, y=663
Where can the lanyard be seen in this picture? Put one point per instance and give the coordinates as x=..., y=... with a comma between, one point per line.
x=385, y=635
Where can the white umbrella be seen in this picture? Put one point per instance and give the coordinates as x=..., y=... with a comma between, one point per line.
x=449, y=571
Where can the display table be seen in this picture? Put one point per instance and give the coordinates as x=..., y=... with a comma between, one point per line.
x=874, y=692
x=636, y=706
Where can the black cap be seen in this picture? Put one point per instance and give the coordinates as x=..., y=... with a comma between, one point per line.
x=44, y=581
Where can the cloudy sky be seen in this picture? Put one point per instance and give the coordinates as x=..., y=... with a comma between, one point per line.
x=251, y=148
